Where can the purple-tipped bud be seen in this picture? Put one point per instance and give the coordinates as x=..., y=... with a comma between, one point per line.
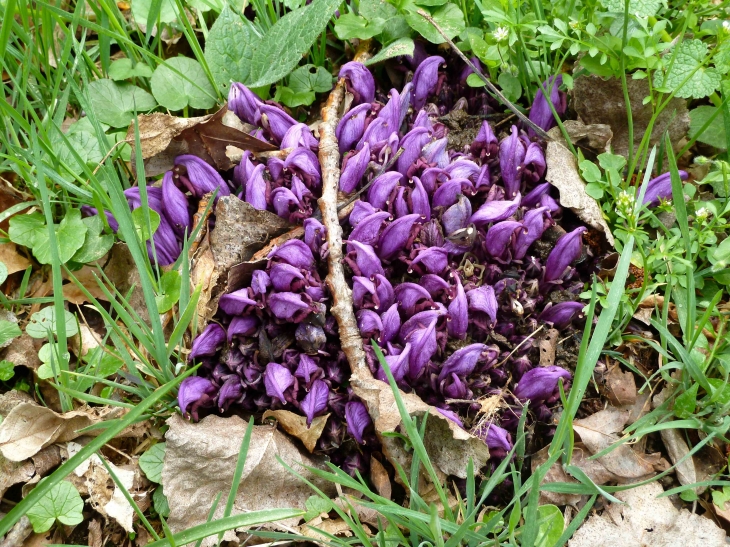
x=366, y=260
x=435, y=152
x=360, y=82
x=433, y=259
x=351, y=127
x=358, y=419
x=462, y=362
x=382, y=188
x=533, y=196
x=423, y=347
x=277, y=379
x=229, y=392
x=244, y=103
x=315, y=235
x=391, y=324
x=494, y=211
x=499, y=237
x=298, y=136
x=361, y=210
x=384, y=292
x=401, y=205
x=540, y=113
x=395, y=237
x=486, y=142
x=567, y=249
x=296, y=253
x=391, y=114
x=448, y=193
x=285, y=202
x=257, y=189
x=405, y=101
x=420, y=320
x=496, y=438
x=368, y=229
x=412, y=144
x=208, y=341
x=660, y=188
x=511, y=155
x=315, y=402
x=411, y=297
x=176, y=204
x=482, y=299
x=353, y=169
x=369, y=324
x=457, y=216
x=534, y=165
x=260, y=282
x=276, y=121
x=533, y=226
x=246, y=325
x=425, y=80
x=540, y=384
x=430, y=177
x=289, y=306
x=304, y=162
x=458, y=312
x=237, y=302
x=283, y=276
x=203, y=177
x=191, y=390
x=307, y=369
x=562, y=314
x=311, y=338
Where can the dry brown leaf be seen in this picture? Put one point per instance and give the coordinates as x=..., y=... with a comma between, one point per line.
x=596, y=137
x=335, y=527
x=204, y=273
x=23, y=352
x=200, y=460
x=620, y=386
x=547, y=346
x=14, y=261
x=677, y=449
x=95, y=533
x=296, y=425
x=380, y=479
x=19, y=534
x=647, y=521
x=562, y=172
x=86, y=276
x=124, y=276
x=14, y=472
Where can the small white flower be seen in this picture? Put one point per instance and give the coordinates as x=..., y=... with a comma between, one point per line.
x=501, y=34
x=726, y=26
x=574, y=25
x=702, y=214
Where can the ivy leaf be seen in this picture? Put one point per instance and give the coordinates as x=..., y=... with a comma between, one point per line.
x=115, y=103
x=95, y=244
x=448, y=17
x=62, y=502
x=8, y=331
x=402, y=46
x=230, y=47
x=688, y=60
x=350, y=26
x=181, y=81
x=70, y=235
x=26, y=229
x=170, y=284
x=310, y=78
x=641, y=8
x=151, y=462
x=714, y=135
x=7, y=370
x=44, y=321
x=121, y=69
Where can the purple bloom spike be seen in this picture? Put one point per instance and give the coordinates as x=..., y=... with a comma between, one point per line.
x=366, y=260
x=208, y=341
x=483, y=299
x=315, y=402
x=289, y=306
x=462, y=362
x=358, y=419
x=486, y=142
x=246, y=325
x=457, y=216
x=533, y=196
x=425, y=80
x=368, y=230
x=285, y=202
x=660, y=188
x=353, y=169
x=562, y=314
x=540, y=113
x=458, y=312
x=494, y=211
x=315, y=236
x=257, y=189
x=276, y=121
x=235, y=303
x=391, y=324
x=511, y=156
x=176, y=204
x=540, y=384
x=420, y=204
x=296, y=253
x=244, y=103
x=533, y=227
x=283, y=276
x=277, y=379
x=412, y=144
x=369, y=324
x=260, y=282
x=496, y=438
x=567, y=249
x=360, y=82
x=307, y=368
x=434, y=259
x=395, y=237
x=203, y=177
x=534, y=163
x=351, y=127
x=191, y=390
x=448, y=193
x=423, y=347
x=298, y=136
x=411, y=296
x=382, y=188
x=499, y=237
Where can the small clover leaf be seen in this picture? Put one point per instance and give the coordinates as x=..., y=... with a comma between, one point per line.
x=62, y=503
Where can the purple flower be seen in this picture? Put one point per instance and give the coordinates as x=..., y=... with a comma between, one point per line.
x=285, y=202
x=540, y=384
x=298, y=136
x=482, y=299
x=567, y=249
x=382, y=188
x=434, y=259
x=534, y=164
x=562, y=314
x=296, y=253
x=494, y=211
x=390, y=115
x=398, y=364
x=366, y=260
x=462, y=362
x=315, y=236
x=395, y=237
x=315, y=402
x=660, y=188
x=434, y=284
x=307, y=369
x=391, y=324
x=401, y=205
x=167, y=246
x=369, y=323
x=257, y=189
x=425, y=80
x=540, y=113
x=244, y=103
x=368, y=229
x=458, y=312
x=499, y=237
x=360, y=82
x=203, y=178
x=229, y=392
x=411, y=297
x=457, y=216
x=353, y=169
x=289, y=306
x=276, y=121
x=361, y=210
x=192, y=389
x=246, y=325
x=496, y=438
x=533, y=196
x=448, y=193
x=176, y=204
x=235, y=303
x=284, y=276
x=260, y=282
x=304, y=162
x=486, y=144
x=420, y=204
x=311, y=338
x=412, y=144
x=533, y=225
x=277, y=379
x=435, y=152
x=423, y=347
x=451, y=416
x=208, y=341
x=511, y=156
x=351, y=127
x=420, y=320
x=358, y=419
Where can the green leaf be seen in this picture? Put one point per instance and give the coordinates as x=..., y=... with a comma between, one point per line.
x=44, y=321
x=288, y=41
x=611, y=161
x=70, y=235
x=81, y=139
x=474, y=80
x=26, y=229
x=714, y=135
x=293, y=99
x=8, y=331
x=310, y=78
x=140, y=223
x=122, y=69
x=430, y=3
x=151, y=462
x=449, y=17
x=230, y=48
x=95, y=244
x=159, y=500
x=115, y=103
x=642, y=8
x=510, y=86
x=62, y=503
x=315, y=506
x=402, y=46
x=181, y=82
x=594, y=190
x=141, y=9
x=215, y=5
x=377, y=9
x=7, y=370
x=3, y=272
x=590, y=171
x=551, y=525
x=350, y=26
x=688, y=60
x=684, y=406
x=169, y=294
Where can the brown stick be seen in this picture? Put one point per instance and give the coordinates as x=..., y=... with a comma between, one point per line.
x=329, y=159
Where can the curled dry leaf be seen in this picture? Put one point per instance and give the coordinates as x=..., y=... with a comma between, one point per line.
x=562, y=172
x=200, y=460
x=620, y=386
x=86, y=276
x=595, y=137
x=647, y=520
x=325, y=529
x=380, y=479
x=296, y=425
x=677, y=449
x=14, y=261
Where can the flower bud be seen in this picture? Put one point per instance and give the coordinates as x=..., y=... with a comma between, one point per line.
x=425, y=80
x=391, y=324
x=203, y=178
x=369, y=324
x=457, y=216
x=176, y=205
x=307, y=369
x=208, y=341
x=246, y=325
x=285, y=202
x=358, y=419
x=315, y=235
x=229, y=392
x=289, y=306
x=562, y=314
x=276, y=121
x=540, y=113
x=257, y=189
x=294, y=252
x=494, y=211
x=533, y=226
x=412, y=144
x=361, y=210
x=660, y=188
x=496, y=438
x=395, y=236
x=532, y=198
x=486, y=144
x=540, y=384
x=458, y=312
x=462, y=362
x=368, y=229
x=237, y=302
x=435, y=152
x=463, y=169
x=315, y=402
x=398, y=364
x=534, y=165
x=305, y=163
x=360, y=82
x=382, y=188
x=411, y=297
x=499, y=237
x=366, y=260
x=482, y=299
x=260, y=282
x=420, y=204
x=277, y=379
x=423, y=347
x=567, y=249
x=448, y=193
x=351, y=127
x=244, y=103
x=435, y=285
x=284, y=276
x=299, y=136
x=511, y=155
x=353, y=169
x=192, y=389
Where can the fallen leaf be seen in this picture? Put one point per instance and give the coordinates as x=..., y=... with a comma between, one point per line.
x=620, y=386
x=296, y=425
x=323, y=531
x=14, y=261
x=203, y=272
x=95, y=533
x=84, y=341
x=595, y=137
x=86, y=276
x=547, y=346
x=14, y=472
x=562, y=172
x=652, y=303
x=380, y=479
x=647, y=521
x=677, y=449
x=19, y=534
x=124, y=275
x=599, y=101
x=200, y=460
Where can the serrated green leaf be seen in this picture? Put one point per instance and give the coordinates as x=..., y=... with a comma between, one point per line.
x=714, y=135
x=121, y=69
x=70, y=235
x=230, y=48
x=141, y=9
x=62, y=502
x=160, y=503
x=169, y=293
x=181, y=82
x=689, y=60
x=402, y=46
x=448, y=17
x=3, y=272
x=7, y=370
x=8, y=331
x=44, y=321
x=350, y=26
x=151, y=462
x=641, y=8
x=114, y=103
x=26, y=229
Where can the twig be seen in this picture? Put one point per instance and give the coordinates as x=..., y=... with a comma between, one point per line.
x=504, y=100
x=518, y=346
